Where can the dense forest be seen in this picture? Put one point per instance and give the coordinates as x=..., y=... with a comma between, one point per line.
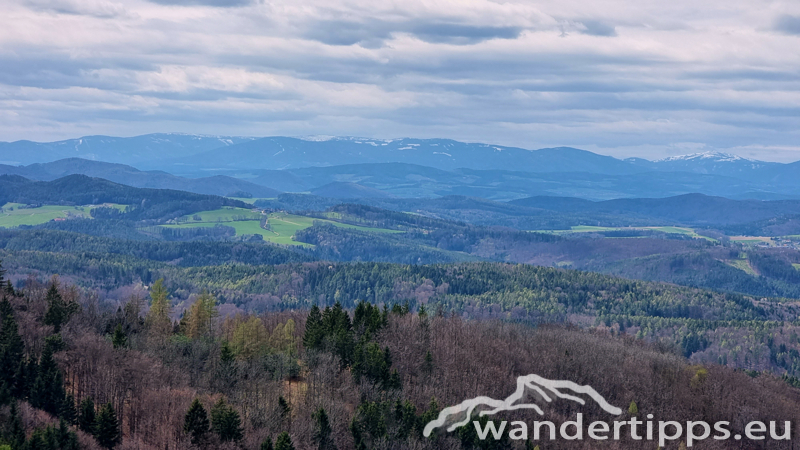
x=118, y=332
x=76, y=374
x=428, y=236
x=143, y=204
x=706, y=326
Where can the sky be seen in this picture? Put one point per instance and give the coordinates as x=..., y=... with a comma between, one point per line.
x=647, y=78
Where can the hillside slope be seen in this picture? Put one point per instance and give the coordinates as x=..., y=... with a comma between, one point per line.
x=123, y=174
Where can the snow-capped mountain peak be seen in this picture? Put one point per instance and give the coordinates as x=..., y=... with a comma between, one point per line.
x=706, y=156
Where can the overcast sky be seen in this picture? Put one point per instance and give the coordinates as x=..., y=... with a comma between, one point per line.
x=648, y=78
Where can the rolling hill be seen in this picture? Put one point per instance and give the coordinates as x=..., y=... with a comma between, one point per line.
x=139, y=150
x=400, y=167
x=692, y=209
x=83, y=190
x=123, y=174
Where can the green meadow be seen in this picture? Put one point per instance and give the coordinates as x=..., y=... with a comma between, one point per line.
x=15, y=214
x=665, y=229
x=282, y=226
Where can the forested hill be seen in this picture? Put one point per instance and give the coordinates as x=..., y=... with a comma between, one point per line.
x=77, y=375
x=83, y=190
x=692, y=209
x=197, y=253
x=119, y=173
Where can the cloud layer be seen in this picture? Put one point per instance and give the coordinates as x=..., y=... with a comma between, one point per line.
x=647, y=78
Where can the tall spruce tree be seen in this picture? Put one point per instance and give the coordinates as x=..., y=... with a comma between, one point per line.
x=119, y=339
x=225, y=422
x=58, y=310
x=312, y=338
x=66, y=438
x=16, y=431
x=67, y=412
x=106, y=427
x=47, y=392
x=267, y=444
x=284, y=409
x=86, y=415
x=322, y=430
x=284, y=442
x=26, y=377
x=11, y=349
x=196, y=422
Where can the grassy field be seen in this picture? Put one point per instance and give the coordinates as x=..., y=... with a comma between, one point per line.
x=743, y=265
x=282, y=226
x=14, y=215
x=666, y=229
x=250, y=200
x=752, y=239
x=589, y=229
x=222, y=215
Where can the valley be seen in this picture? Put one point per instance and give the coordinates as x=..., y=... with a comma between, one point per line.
x=277, y=227
x=198, y=282
x=18, y=214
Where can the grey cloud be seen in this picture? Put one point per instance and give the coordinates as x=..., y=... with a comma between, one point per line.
x=159, y=73
x=598, y=28
x=462, y=34
x=35, y=67
x=104, y=10
x=755, y=74
x=373, y=34
x=217, y=3
x=788, y=24
x=347, y=32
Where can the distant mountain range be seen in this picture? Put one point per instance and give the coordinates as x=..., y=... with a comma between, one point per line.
x=342, y=167
x=83, y=190
x=139, y=150
x=691, y=209
x=120, y=173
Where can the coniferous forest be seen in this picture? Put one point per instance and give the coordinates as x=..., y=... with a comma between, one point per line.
x=376, y=355
x=133, y=328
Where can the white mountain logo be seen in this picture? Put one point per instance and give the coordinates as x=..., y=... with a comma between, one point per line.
x=547, y=389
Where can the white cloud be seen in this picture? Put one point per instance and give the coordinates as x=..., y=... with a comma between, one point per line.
x=610, y=75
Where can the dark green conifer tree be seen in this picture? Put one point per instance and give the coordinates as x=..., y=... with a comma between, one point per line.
x=430, y=414
x=58, y=311
x=106, y=427
x=322, y=430
x=196, y=422
x=226, y=423
x=284, y=442
x=314, y=334
x=47, y=392
x=427, y=364
x=16, y=431
x=405, y=416
x=267, y=444
x=68, y=412
x=119, y=339
x=66, y=438
x=227, y=370
x=86, y=415
x=11, y=348
x=469, y=437
x=28, y=372
x=284, y=409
